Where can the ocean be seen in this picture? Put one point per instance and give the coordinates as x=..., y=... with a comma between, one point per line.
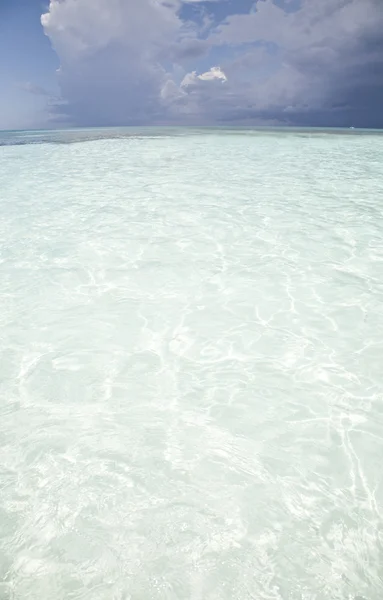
x=191, y=364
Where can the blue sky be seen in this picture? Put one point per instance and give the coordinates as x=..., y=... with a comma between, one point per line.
x=26, y=56
x=107, y=62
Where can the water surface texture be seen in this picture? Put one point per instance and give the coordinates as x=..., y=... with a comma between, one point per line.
x=191, y=365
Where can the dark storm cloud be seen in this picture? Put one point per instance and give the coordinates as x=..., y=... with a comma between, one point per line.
x=330, y=62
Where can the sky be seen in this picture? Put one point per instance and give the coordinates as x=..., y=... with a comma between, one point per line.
x=68, y=63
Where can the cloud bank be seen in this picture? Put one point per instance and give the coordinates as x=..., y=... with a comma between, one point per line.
x=154, y=61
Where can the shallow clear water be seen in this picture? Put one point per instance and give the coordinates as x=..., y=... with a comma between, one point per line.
x=191, y=377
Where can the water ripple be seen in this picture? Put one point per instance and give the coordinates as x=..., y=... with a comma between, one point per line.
x=191, y=387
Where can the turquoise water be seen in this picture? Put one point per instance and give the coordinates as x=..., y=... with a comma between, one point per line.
x=191, y=380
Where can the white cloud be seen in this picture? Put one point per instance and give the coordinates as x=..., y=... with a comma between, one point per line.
x=80, y=28
x=329, y=22
x=214, y=74
x=110, y=56
x=137, y=61
x=310, y=58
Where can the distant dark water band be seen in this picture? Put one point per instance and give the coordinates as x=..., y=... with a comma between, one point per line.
x=73, y=136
